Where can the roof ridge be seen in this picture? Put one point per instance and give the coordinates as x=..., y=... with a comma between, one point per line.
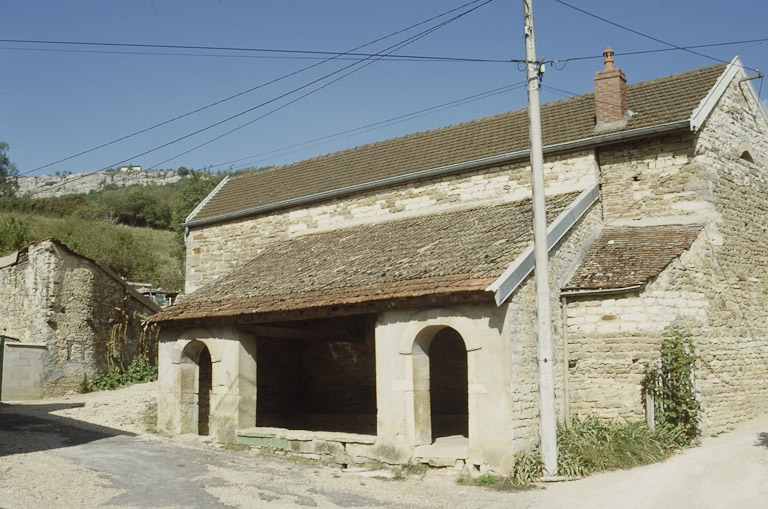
x=667, y=100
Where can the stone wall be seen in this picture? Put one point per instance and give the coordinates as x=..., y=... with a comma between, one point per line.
x=69, y=304
x=216, y=249
x=652, y=178
x=734, y=351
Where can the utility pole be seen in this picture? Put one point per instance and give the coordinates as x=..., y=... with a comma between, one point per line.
x=547, y=428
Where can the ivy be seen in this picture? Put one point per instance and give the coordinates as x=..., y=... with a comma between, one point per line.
x=671, y=384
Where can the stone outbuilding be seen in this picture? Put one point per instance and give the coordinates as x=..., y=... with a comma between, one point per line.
x=57, y=312
x=377, y=304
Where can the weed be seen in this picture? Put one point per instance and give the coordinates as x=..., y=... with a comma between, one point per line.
x=419, y=469
x=150, y=417
x=138, y=371
x=235, y=447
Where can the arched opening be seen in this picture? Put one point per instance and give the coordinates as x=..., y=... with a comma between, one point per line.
x=441, y=385
x=195, y=384
x=746, y=156
x=449, y=395
x=205, y=385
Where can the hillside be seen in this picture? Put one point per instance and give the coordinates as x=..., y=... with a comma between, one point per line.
x=126, y=220
x=46, y=186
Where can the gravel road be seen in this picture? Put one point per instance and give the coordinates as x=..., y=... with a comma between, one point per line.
x=94, y=450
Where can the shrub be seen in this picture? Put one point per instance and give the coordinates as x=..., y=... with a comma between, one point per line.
x=14, y=234
x=671, y=384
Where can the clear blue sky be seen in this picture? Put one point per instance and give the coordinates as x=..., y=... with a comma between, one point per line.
x=59, y=100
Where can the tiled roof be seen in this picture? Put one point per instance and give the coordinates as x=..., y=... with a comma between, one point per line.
x=656, y=102
x=630, y=256
x=437, y=255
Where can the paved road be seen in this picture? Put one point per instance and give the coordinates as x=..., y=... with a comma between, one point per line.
x=52, y=461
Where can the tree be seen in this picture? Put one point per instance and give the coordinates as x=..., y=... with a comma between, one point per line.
x=14, y=234
x=8, y=173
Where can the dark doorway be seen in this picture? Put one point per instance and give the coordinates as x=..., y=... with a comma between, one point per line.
x=205, y=384
x=448, y=385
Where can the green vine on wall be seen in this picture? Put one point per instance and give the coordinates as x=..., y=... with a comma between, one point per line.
x=671, y=383
x=121, y=371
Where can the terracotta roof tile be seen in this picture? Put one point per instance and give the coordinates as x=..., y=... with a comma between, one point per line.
x=629, y=256
x=454, y=252
x=656, y=102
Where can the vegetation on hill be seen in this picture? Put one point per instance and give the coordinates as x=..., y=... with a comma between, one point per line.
x=135, y=230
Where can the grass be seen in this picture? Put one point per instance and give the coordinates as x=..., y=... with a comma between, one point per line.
x=494, y=482
x=150, y=417
x=587, y=446
x=410, y=470
x=593, y=445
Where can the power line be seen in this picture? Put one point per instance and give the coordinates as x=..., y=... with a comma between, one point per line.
x=369, y=127
x=390, y=49
x=221, y=101
x=275, y=52
x=663, y=50
x=352, y=68
x=637, y=32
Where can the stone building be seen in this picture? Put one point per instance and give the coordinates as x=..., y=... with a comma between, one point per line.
x=376, y=303
x=57, y=311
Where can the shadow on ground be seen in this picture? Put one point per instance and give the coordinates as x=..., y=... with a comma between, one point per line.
x=31, y=428
x=762, y=439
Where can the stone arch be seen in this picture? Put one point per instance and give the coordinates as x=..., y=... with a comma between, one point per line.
x=746, y=156
x=195, y=386
x=440, y=318
x=745, y=151
x=201, y=335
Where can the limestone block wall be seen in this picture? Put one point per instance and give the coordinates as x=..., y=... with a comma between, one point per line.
x=67, y=303
x=734, y=352
x=216, y=249
x=520, y=331
x=654, y=177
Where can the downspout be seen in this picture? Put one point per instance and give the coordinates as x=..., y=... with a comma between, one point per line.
x=2, y=351
x=566, y=362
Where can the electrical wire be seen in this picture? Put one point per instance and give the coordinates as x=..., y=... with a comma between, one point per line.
x=281, y=53
x=352, y=68
x=390, y=49
x=221, y=101
x=364, y=129
x=637, y=32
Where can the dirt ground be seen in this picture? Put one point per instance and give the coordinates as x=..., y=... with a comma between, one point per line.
x=94, y=450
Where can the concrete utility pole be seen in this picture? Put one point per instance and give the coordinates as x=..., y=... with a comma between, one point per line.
x=547, y=428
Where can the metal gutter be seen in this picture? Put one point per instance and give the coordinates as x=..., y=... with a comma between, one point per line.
x=434, y=172
x=508, y=282
x=602, y=291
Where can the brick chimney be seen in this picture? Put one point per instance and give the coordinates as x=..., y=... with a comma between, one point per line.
x=610, y=92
